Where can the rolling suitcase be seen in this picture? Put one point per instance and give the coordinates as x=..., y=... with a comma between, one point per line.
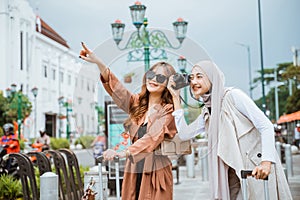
x=244, y=175
x=100, y=160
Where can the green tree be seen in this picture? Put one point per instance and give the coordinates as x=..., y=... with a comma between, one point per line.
x=2, y=110
x=286, y=72
x=11, y=105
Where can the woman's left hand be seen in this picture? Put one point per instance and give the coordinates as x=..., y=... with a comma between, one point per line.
x=262, y=171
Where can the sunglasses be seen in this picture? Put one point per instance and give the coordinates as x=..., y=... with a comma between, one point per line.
x=159, y=77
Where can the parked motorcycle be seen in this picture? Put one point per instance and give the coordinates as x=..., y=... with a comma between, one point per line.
x=38, y=147
x=7, y=165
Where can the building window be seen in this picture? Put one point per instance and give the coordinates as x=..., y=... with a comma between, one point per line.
x=69, y=79
x=27, y=51
x=45, y=71
x=76, y=81
x=88, y=86
x=88, y=121
x=82, y=83
x=61, y=77
x=21, y=50
x=53, y=74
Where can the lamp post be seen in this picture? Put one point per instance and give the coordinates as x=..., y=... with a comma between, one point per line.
x=295, y=56
x=11, y=93
x=296, y=64
x=99, y=113
x=261, y=60
x=67, y=104
x=182, y=67
x=143, y=42
x=249, y=67
x=34, y=91
x=276, y=96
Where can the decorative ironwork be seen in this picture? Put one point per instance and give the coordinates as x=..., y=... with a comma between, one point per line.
x=144, y=42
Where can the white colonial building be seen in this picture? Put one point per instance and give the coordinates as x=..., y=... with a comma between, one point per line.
x=32, y=55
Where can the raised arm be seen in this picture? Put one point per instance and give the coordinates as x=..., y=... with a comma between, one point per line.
x=121, y=96
x=88, y=55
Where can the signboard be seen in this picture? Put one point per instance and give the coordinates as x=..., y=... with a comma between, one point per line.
x=117, y=138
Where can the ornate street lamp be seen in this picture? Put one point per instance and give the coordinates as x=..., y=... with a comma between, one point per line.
x=142, y=42
x=99, y=113
x=13, y=88
x=8, y=92
x=67, y=104
x=182, y=62
x=34, y=91
x=11, y=92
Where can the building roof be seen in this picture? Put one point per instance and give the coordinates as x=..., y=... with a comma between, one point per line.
x=45, y=29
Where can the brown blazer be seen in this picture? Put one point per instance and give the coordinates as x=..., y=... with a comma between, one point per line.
x=157, y=179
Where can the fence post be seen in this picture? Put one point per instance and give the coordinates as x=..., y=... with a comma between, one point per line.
x=278, y=149
x=49, y=186
x=190, y=164
x=288, y=159
x=204, y=163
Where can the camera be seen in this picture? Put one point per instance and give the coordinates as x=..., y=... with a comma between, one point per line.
x=181, y=80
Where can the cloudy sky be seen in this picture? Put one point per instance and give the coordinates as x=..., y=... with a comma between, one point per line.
x=216, y=25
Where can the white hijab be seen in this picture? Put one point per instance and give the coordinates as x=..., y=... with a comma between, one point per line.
x=217, y=168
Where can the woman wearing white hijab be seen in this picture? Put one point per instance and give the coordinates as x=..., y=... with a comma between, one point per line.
x=239, y=136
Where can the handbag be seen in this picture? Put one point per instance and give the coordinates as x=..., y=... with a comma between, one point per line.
x=174, y=146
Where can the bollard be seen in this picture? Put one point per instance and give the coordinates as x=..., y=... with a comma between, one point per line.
x=100, y=163
x=99, y=178
x=288, y=159
x=278, y=149
x=49, y=186
x=117, y=167
x=204, y=163
x=190, y=166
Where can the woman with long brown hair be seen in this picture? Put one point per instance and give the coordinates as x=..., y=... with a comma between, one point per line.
x=147, y=175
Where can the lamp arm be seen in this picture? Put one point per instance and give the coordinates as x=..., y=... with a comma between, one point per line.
x=134, y=42
x=158, y=39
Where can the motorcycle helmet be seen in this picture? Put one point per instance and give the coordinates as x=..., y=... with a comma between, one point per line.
x=8, y=128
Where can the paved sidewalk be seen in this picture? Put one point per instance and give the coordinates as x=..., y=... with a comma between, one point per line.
x=196, y=189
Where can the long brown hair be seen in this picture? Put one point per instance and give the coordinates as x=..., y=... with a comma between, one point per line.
x=138, y=110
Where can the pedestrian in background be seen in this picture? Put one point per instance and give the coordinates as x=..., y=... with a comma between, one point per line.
x=10, y=140
x=43, y=140
x=297, y=135
x=239, y=136
x=147, y=175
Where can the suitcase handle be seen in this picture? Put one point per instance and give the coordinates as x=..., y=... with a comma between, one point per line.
x=100, y=159
x=246, y=173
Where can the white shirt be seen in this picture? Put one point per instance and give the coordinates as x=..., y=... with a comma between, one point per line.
x=248, y=108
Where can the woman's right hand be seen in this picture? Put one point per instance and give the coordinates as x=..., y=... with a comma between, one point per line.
x=88, y=55
x=109, y=154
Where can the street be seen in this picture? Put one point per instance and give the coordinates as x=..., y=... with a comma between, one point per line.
x=195, y=188
x=85, y=157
